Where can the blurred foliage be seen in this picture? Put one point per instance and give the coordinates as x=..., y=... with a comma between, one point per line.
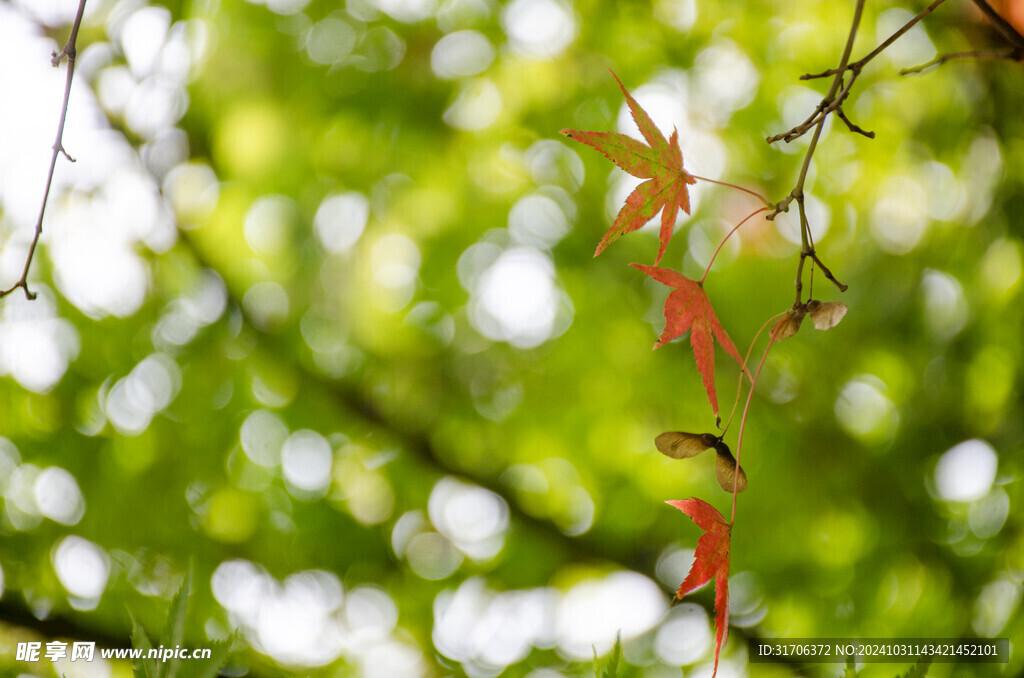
x=378, y=377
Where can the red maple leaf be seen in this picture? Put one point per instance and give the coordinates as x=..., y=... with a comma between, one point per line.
x=710, y=560
x=661, y=164
x=688, y=308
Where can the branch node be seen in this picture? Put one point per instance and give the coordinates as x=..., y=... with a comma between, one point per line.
x=827, y=273
x=23, y=284
x=851, y=126
x=63, y=151
x=814, y=76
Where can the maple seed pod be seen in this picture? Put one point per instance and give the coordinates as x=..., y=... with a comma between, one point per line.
x=826, y=315
x=726, y=468
x=790, y=324
x=679, y=445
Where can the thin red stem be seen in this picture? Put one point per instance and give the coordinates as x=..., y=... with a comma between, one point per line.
x=743, y=425
x=746, y=359
x=738, y=188
x=721, y=244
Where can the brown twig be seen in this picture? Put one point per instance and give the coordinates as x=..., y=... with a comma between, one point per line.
x=70, y=52
x=858, y=65
x=851, y=126
x=1012, y=55
x=823, y=109
x=826, y=272
x=798, y=190
x=1004, y=27
x=833, y=102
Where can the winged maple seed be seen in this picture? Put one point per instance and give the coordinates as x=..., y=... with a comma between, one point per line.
x=661, y=163
x=711, y=559
x=824, y=314
x=688, y=308
x=789, y=324
x=827, y=314
x=679, y=445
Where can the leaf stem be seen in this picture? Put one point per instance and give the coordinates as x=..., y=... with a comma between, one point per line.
x=746, y=359
x=757, y=195
x=743, y=423
x=728, y=235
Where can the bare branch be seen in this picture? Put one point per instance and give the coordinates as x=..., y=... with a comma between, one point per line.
x=1002, y=25
x=69, y=51
x=830, y=98
x=857, y=66
x=1012, y=55
x=852, y=127
x=822, y=111
x=1011, y=34
x=827, y=273
x=832, y=102
x=899, y=33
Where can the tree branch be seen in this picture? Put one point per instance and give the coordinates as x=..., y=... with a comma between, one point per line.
x=852, y=127
x=831, y=102
x=798, y=190
x=1012, y=55
x=857, y=66
x=69, y=51
x=1002, y=25
x=823, y=109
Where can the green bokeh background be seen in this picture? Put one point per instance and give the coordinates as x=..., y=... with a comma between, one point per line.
x=842, y=531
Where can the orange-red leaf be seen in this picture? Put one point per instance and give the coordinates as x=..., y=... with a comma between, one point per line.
x=688, y=308
x=661, y=163
x=711, y=559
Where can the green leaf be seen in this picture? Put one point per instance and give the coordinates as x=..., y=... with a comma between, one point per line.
x=144, y=668
x=918, y=670
x=174, y=632
x=209, y=668
x=611, y=670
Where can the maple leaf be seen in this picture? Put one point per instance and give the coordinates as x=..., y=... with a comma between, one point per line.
x=661, y=163
x=711, y=559
x=688, y=308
